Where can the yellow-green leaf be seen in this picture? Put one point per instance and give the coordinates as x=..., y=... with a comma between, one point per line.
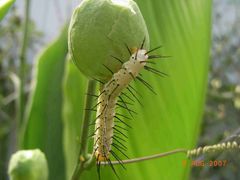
x=44, y=120
x=4, y=6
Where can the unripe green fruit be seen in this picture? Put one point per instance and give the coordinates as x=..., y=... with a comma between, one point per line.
x=100, y=29
x=28, y=165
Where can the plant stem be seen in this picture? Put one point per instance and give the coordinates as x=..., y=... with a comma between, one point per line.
x=83, y=153
x=21, y=103
x=145, y=158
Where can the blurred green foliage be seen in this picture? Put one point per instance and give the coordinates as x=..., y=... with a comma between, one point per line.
x=222, y=111
x=10, y=41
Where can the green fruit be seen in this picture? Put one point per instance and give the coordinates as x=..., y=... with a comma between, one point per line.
x=28, y=165
x=100, y=29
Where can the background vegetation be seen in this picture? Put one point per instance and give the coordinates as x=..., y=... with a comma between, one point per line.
x=56, y=90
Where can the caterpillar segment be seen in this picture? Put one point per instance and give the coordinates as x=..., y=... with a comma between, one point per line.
x=107, y=102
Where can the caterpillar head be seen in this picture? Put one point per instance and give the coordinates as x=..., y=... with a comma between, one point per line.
x=140, y=55
x=136, y=62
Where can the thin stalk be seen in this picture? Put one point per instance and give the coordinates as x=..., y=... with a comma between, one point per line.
x=22, y=75
x=145, y=158
x=83, y=153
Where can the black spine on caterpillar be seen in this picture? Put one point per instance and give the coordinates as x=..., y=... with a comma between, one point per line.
x=107, y=101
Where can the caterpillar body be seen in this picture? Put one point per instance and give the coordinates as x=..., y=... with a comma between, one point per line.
x=104, y=135
x=107, y=101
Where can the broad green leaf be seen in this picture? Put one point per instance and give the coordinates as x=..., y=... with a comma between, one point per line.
x=171, y=119
x=4, y=6
x=44, y=121
x=74, y=93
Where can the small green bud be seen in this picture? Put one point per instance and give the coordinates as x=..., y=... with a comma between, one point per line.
x=28, y=165
x=100, y=29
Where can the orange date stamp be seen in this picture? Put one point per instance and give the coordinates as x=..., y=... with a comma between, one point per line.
x=202, y=163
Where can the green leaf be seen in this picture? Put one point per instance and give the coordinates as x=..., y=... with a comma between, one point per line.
x=74, y=92
x=44, y=121
x=171, y=119
x=4, y=6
